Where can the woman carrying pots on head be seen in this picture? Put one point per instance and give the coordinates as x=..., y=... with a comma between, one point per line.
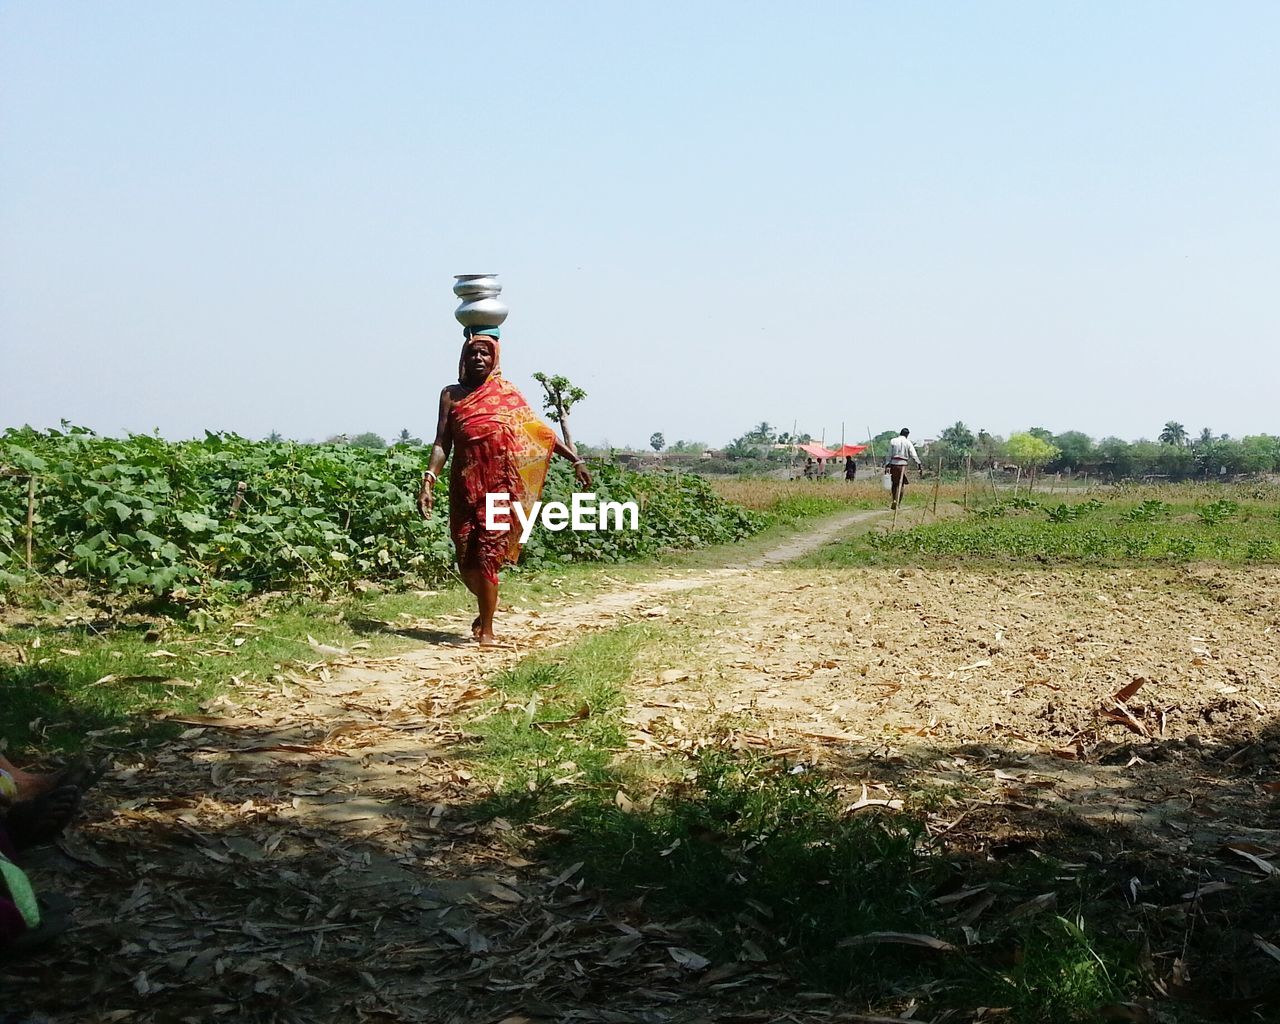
x=499, y=446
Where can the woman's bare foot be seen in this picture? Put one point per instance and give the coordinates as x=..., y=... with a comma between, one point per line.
x=487, y=639
x=475, y=628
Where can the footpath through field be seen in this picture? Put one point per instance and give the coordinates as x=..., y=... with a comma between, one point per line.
x=303, y=852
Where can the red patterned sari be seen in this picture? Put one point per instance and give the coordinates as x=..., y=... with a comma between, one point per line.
x=499, y=446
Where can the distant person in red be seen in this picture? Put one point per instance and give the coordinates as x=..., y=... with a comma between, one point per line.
x=499, y=446
x=900, y=450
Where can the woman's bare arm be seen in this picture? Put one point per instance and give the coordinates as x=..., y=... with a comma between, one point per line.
x=439, y=453
x=580, y=470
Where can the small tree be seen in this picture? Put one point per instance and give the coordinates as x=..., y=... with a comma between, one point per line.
x=1074, y=447
x=656, y=441
x=559, y=396
x=1029, y=452
x=959, y=437
x=406, y=438
x=275, y=437
x=368, y=440
x=1260, y=453
x=1116, y=454
x=987, y=448
x=1173, y=433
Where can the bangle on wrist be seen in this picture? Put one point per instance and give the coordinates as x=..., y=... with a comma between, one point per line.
x=428, y=475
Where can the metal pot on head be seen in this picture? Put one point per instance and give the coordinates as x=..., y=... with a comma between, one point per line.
x=481, y=306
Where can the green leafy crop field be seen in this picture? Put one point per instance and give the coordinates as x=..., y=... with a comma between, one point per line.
x=225, y=516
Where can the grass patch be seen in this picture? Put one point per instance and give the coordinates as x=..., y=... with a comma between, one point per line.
x=1107, y=530
x=64, y=684
x=786, y=500
x=1063, y=974
x=555, y=728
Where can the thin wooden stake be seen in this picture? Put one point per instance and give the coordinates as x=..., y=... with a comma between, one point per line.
x=31, y=519
x=936, y=481
x=967, y=460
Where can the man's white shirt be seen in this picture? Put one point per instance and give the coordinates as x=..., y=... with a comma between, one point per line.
x=900, y=449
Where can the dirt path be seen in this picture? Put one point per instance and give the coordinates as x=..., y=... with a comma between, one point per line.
x=303, y=851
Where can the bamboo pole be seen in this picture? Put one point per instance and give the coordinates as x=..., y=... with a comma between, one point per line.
x=31, y=520
x=937, y=480
x=968, y=459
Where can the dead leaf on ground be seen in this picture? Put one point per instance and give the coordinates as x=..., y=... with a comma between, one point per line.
x=1033, y=906
x=1129, y=689
x=1269, y=948
x=898, y=939
x=159, y=680
x=863, y=801
x=1208, y=889
x=320, y=648
x=1266, y=867
x=688, y=959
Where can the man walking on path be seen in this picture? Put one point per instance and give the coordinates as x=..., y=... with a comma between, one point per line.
x=900, y=449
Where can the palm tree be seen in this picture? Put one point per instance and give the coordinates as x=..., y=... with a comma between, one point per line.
x=1173, y=433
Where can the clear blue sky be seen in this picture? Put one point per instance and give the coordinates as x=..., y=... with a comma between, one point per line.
x=246, y=216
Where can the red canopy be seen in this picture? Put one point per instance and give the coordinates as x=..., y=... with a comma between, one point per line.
x=849, y=449
x=815, y=450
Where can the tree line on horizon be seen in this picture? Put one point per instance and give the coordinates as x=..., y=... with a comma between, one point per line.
x=1175, y=453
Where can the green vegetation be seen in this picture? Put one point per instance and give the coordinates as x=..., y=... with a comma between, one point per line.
x=1029, y=451
x=224, y=516
x=763, y=856
x=1244, y=528
x=87, y=679
x=1174, y=455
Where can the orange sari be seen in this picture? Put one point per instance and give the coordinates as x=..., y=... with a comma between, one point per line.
x=499, y=446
